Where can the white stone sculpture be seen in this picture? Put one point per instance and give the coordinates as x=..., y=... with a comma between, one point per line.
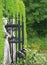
x=7, y=57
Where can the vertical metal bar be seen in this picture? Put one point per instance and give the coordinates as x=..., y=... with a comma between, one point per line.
x=17, y=37
x=12, y=45
x=16, y=52
x=19, y=34
x=10, y=48
x=19, y=31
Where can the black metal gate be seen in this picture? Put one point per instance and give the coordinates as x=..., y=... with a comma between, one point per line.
x=20, y=51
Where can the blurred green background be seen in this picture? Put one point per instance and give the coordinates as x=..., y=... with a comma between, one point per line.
x=36, y=13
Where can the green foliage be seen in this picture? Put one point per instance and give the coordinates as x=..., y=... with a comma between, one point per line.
x=35, y=58
x=36, y=11
x=0, y=10
x=1, y=42
x=1, y=34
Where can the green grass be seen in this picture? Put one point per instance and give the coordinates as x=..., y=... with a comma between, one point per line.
x=39, y=42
